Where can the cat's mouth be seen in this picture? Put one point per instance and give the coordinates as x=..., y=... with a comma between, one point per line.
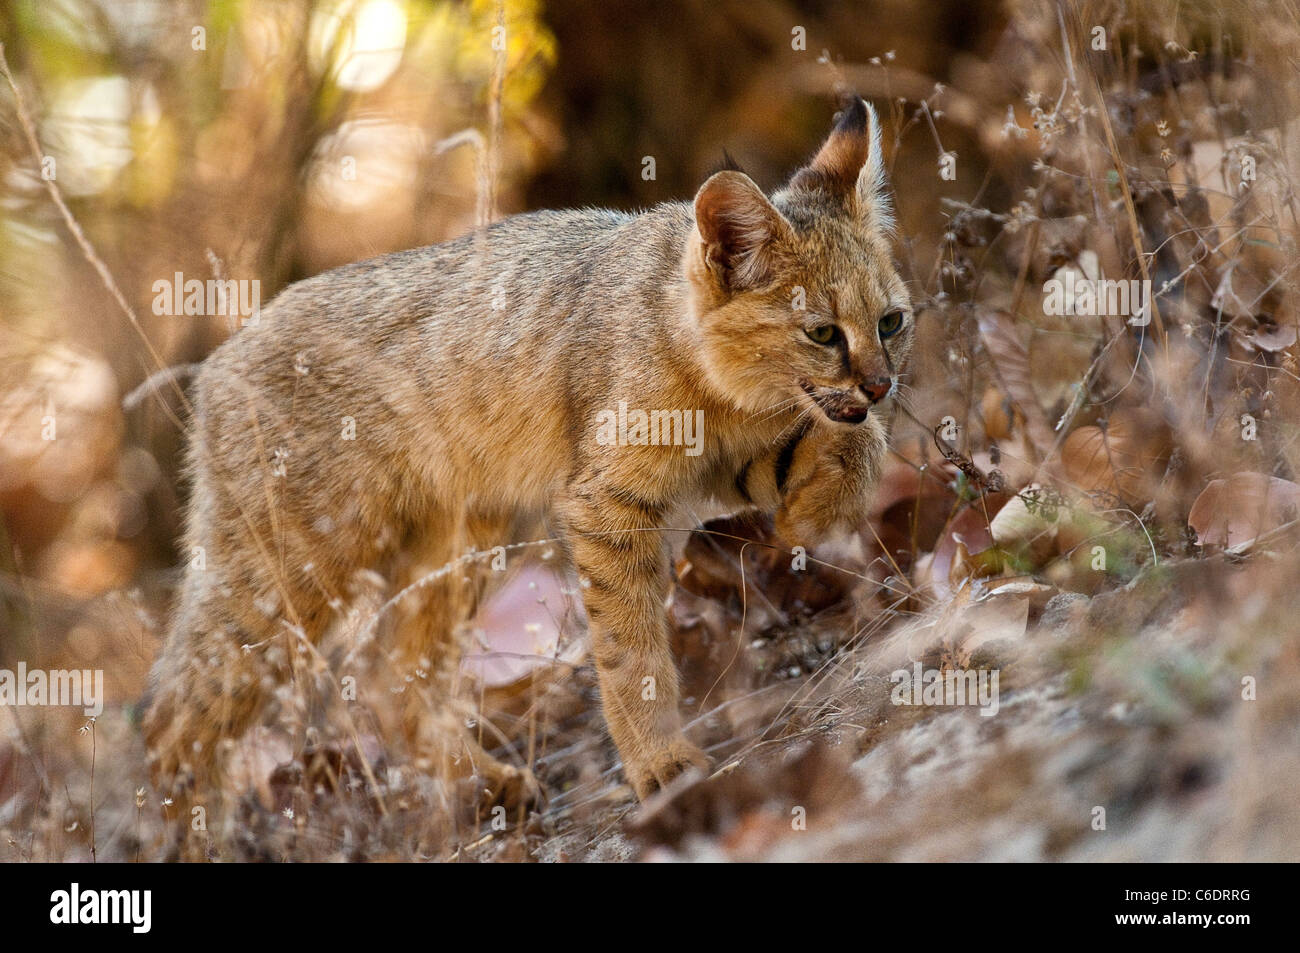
x=839, y=406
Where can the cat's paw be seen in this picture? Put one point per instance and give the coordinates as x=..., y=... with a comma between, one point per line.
x=659, y=768
x=800, y=525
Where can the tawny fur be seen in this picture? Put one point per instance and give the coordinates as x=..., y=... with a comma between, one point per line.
x=473, y=373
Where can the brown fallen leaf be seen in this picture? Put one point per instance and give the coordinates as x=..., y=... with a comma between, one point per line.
x=1235, y=512
x=1273, y=338
x=1011, y=366
x=1123, y=460
x=966, y=535
x=1028, y=532
x=1239, y=294
x=740, y=557
x=909, y=511
x=999, y=414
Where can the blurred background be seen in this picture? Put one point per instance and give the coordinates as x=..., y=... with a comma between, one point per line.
x=269, y=140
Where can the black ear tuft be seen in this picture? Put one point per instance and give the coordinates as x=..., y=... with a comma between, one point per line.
x=850, y=165
x=852, y=116
x=728, y=164
x=837, y=165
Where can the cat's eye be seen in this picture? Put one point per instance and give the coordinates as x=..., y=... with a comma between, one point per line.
x=822, y=333
x=890, y=324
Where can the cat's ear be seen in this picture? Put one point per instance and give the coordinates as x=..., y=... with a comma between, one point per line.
x=741, y=232
x=851, y=164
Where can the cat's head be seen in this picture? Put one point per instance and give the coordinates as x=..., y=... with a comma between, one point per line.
x=795, y=296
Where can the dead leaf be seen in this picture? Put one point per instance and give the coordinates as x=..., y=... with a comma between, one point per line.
x=909, y=511
x=966, y=624
x=998, y=413
x=1028, y=532
x=519, y=631
x=966, y=535
x=739, y=555
x=1125, y=460
x=1235, y=512
x=1012, y=367
x=1273, y=338
x=1239, y=293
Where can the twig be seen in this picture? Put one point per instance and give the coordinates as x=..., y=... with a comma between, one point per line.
x=150, y=385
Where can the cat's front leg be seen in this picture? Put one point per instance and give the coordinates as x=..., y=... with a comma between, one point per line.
x=618, y=546
x=829, y=480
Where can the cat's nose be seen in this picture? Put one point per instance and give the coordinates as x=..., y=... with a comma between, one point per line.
x=876, y=388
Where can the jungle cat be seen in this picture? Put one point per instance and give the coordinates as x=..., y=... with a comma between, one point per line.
x=439, y=398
